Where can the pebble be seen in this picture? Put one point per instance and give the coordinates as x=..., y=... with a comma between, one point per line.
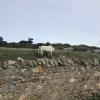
x=72, y=80
x=1, y=97
x=85, y=87
x=22, y=97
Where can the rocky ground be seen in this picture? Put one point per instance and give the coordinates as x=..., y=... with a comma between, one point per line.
x=69, y=81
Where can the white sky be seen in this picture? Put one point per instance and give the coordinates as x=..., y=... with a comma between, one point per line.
x=70, y=21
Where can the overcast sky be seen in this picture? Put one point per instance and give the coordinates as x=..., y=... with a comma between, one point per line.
x=66, y=21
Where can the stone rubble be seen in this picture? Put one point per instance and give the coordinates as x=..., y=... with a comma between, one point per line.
x=50, y=79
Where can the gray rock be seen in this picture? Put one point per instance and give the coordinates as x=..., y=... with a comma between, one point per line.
x=31, y=63
x=34, y=63
x=5, y=64
x=20, y=63
x=11, y=66
x=16, y=64
x=11, y=63
x=39, y=61
x=90, y=62
x=51, y=62
x=47, y=65
x=42, y=61
x=83, y=62
x=28, y=63
x=8, y=97
x=76, y=61
x=96, y=61
x=20, y=59
x=55, y=62
x=70, y=61
x=46, y=61
x=82, y=68
x=59, y=62
x=64, y=61
x=1, y=97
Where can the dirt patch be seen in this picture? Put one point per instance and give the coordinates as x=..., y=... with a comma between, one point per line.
x=50, y=83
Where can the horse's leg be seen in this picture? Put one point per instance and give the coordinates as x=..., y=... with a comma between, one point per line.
x=48, y=54
x=51, y=53
x=38, y=52
x=42, y=53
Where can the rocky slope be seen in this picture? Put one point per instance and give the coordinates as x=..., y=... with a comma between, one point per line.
x=60, y=78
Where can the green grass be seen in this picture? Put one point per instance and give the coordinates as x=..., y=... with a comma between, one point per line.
x=77, y=54
x=13, y=53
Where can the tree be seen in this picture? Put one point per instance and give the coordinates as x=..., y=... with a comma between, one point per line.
x=30, y=40
x=81, y=48
x=1, y=39
x=47, y=44
x=66, y=45
x=13, y=45
x=23, y=43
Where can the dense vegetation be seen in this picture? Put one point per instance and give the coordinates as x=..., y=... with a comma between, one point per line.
x=30, y=44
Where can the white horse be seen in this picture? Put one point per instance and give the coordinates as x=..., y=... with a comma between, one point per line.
x=50, y=49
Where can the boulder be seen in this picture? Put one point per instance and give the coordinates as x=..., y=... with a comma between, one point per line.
x=31, y=63
x=64, y=61
x=55, y=62
x=96, y=62
x=51, y=62
x=5, y=64
x=47, y=64
x=70, y=61
x=1, y=97
x=11, y=63
x=39, y=62
x=90, y=62
x=76, y=61
x=46, y=61
x=16, y=64
x=97, y=74
x=20, y=61
x=34, y=63
x=28, y=63
x=42, y=61
x=59, y=62
x=83, y=62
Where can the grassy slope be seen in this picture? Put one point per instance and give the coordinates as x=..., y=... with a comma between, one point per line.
x=13, y=53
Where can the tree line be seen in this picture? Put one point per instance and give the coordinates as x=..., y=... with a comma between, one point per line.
x=30, y=44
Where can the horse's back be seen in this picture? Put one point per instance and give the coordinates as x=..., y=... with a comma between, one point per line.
x=47, y=48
